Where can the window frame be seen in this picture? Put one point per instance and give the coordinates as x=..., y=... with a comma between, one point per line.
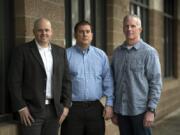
x=7, y=41
x=170, y=39
x=141, y=5
x=81, y=16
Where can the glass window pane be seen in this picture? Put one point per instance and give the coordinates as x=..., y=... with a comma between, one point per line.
x=75, y=17
x=168, y=39
x=2, y=62
x=90, y=10
x=100, y=24
x=141, y=10
x=168, y=47
x=132, y=9
x=87, y=10
x=6, y=43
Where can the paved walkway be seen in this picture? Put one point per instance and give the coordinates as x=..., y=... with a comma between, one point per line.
x=168, y=126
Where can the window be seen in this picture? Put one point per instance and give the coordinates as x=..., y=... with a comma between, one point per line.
x=170, y=50
x=6, y=39
x=140, y=8
x=93, y=11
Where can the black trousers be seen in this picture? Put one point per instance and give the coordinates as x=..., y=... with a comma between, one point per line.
x=132, y=125
x=46, y=123
x=84, y=118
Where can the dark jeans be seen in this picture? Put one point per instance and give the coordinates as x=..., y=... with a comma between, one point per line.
x=46, y=123
x=132, y=125
x=84, y=118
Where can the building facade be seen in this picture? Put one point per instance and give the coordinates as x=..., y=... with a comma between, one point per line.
x=161, y=29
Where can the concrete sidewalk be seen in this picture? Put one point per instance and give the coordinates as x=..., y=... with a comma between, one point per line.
x=169, y=125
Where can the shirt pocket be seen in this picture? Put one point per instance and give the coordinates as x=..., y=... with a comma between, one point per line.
x=137, y=66
x=94, y=68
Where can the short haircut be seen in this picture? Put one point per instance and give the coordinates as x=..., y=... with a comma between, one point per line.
x=36, y=22
x=132, y=16
x=80, y=23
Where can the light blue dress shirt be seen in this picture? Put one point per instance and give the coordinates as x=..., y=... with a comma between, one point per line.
x=137, y=78
x=90, y=74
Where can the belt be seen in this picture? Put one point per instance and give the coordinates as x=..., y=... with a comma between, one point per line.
x=48, y=101
x=85, y=102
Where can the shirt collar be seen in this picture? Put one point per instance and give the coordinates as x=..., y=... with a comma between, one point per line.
x=86, y=50
x=136, y=46
x=41, y=48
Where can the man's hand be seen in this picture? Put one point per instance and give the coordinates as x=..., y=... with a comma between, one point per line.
x=64, y=114
x=25, y=116
x=114, y=119
x=108, y=112
x=148, y=119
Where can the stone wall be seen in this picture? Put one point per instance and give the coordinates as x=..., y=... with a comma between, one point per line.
x=116, y=10
x=27, y=11
x=8, y=129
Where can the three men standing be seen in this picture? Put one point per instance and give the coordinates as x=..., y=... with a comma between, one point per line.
x=40, y=84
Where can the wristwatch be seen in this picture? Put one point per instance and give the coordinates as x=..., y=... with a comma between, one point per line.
x=150, y=109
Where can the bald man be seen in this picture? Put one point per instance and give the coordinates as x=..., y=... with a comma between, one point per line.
x=39, y=83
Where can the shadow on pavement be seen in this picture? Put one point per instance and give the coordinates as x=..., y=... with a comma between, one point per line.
x=169, y=125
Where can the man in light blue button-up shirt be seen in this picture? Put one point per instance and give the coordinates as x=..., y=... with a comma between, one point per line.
x=91, y=80
x=137, y=81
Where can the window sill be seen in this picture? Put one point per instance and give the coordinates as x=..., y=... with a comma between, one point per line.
x=6, y=117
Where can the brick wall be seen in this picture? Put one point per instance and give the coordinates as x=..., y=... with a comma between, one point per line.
x=169, y=100
x=8, y=129
x=27, y=11
x=156, y=33
x=116, y=10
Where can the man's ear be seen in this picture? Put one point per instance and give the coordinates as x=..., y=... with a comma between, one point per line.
x=140, y=29
x=92, y=35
